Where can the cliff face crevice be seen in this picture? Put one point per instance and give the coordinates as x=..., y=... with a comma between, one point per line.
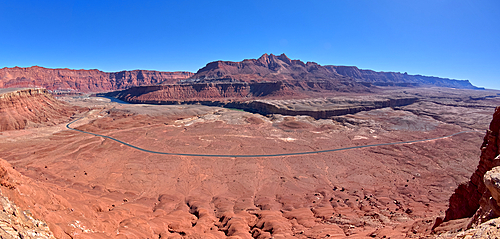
x=31, y=107
x=67, y=81
x=466, y=199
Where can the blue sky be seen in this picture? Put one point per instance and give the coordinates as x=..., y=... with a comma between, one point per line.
x=447, y=38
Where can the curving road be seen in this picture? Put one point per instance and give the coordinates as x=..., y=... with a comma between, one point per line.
x=259, y=155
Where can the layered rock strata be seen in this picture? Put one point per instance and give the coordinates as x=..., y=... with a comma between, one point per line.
x=21, y=108
x=202, y=91
x=295, y=74
x=226, y=95
x=68, y=81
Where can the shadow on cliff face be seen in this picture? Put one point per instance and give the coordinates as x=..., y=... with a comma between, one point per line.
x=476, y=201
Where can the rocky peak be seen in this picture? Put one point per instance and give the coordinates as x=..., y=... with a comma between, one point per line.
x=264, y=58
x=273, y=61
x=285, y=59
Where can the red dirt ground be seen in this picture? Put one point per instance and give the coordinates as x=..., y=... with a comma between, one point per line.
x=97, y=188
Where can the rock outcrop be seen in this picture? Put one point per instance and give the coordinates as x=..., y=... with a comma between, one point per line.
x=21, y=108
x=489, y=207
x=68, y=81
x=478, y=199
x=16, y=222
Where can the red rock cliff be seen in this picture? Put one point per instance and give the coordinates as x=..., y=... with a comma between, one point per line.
x=466, y=199
x=66, y=80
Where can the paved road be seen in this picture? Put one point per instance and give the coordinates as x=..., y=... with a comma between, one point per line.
x=259, y=155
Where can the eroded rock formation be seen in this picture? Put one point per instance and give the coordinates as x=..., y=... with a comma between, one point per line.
x=203, y=91
x=476, y=202
x=88, y=186
x=21, y=108
x=398, y=79
x=465, y=201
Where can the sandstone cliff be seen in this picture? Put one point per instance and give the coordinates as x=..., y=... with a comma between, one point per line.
x=476, y=201
x=66, y=80
x=21, y=108
x=465, y=201
x=203, y=91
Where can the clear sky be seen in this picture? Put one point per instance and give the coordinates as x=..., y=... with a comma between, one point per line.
x=457, y=39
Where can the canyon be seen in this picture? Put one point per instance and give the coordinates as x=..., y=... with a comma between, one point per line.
x=262, y=148
x=84, y=186
x=253, y=84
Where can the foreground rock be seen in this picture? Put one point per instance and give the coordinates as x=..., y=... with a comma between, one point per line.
x=465, y=200
x=16, y=222
x=475, y=204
